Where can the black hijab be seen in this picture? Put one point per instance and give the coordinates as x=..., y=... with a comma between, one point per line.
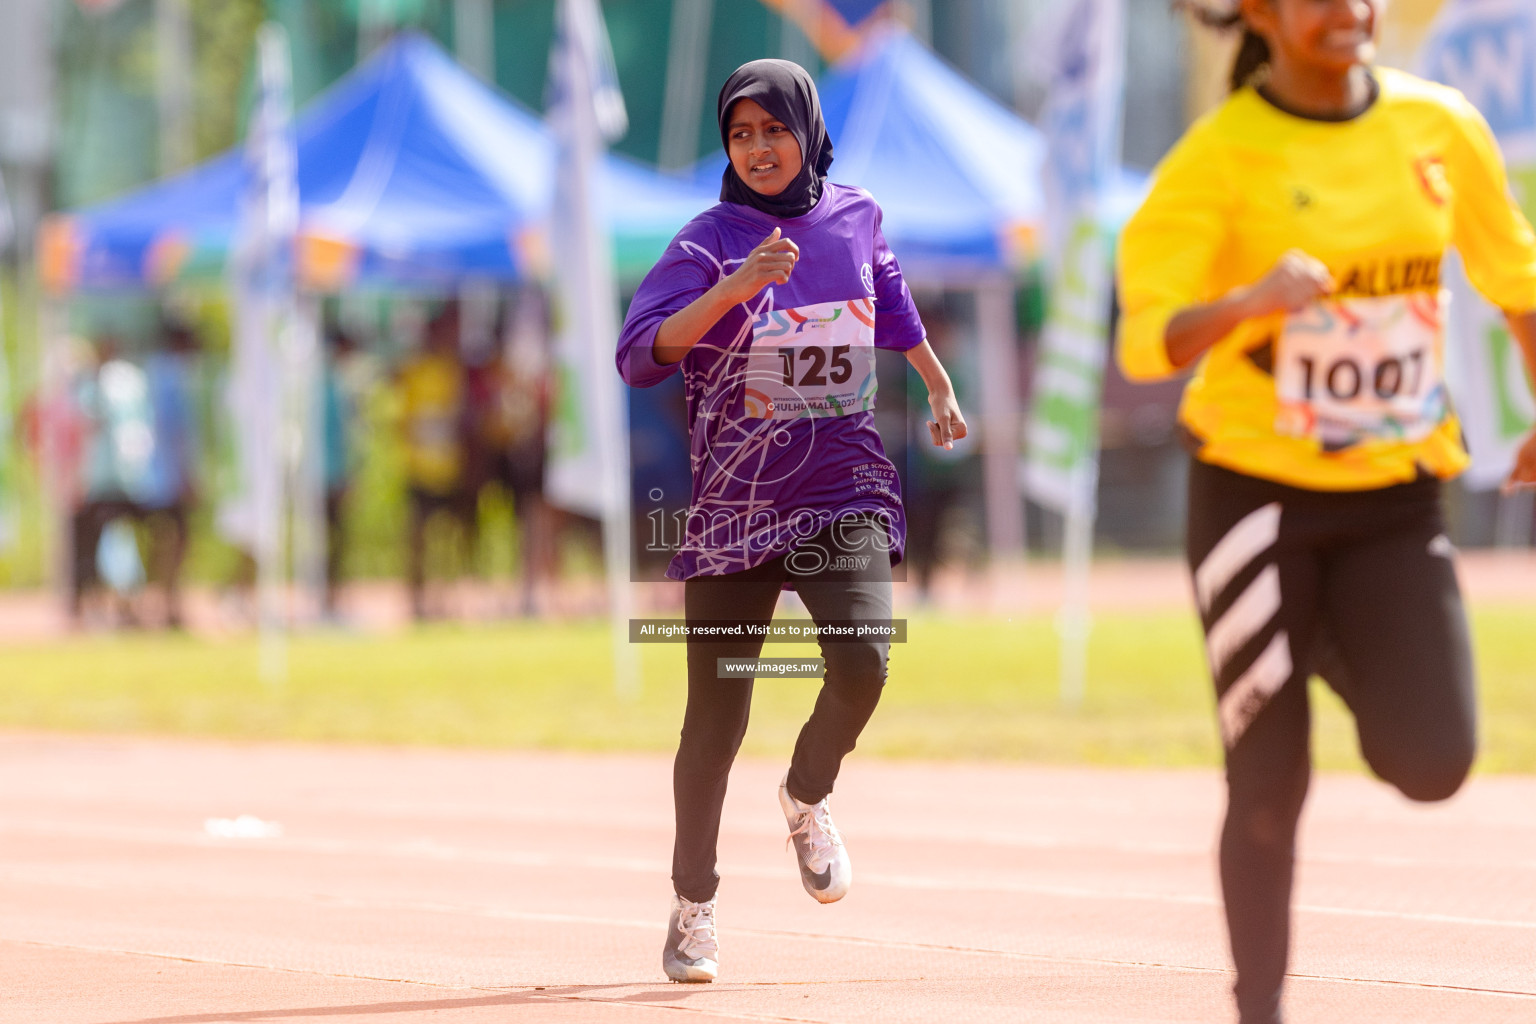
x=785, y=90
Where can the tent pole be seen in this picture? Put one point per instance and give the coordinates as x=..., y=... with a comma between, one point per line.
x=173, y=83
x=271, y=505
x=307, y=369
x=1075, y=620
x=687, y=56
x=794, y=42
x=590, y=301
x=7, y=481
x=474, y=37
x=921, y=14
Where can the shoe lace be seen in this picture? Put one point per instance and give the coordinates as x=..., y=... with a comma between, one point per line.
x=697, y=923
x=821, y=836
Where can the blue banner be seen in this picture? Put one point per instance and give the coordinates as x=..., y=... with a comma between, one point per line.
x=1487, y=49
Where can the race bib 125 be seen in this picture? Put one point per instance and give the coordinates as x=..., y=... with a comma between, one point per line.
x=1353, y=370
x=812, y=361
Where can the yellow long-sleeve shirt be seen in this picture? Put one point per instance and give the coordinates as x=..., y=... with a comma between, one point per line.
x=1377, y=198
x=432, y=395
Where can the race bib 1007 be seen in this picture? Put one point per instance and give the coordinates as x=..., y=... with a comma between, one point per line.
x=1353, y=370
x=812, y=361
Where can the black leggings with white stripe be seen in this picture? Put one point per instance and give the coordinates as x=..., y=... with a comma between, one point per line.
x=1358, y=587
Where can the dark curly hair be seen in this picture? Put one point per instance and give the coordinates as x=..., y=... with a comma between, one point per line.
x=1252, y=53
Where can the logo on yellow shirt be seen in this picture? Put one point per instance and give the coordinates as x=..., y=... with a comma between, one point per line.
x=1431, y=172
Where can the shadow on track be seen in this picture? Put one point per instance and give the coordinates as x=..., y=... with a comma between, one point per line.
x=527, y=996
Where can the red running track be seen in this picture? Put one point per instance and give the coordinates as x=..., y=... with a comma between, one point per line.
x=412, y=885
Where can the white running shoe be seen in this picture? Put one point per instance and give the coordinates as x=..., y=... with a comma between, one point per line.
x=691, y=952
x=824, y=866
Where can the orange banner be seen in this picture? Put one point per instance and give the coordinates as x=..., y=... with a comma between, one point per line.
x=824, y=26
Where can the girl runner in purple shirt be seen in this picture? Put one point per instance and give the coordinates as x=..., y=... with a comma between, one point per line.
x=771, y=304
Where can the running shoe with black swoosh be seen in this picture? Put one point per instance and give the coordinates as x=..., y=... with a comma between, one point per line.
x=825, y=869
x=692, y=952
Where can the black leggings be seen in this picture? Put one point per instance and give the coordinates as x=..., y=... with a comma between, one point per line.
x=1360, y=588
x=854, y=585
x=89, y=523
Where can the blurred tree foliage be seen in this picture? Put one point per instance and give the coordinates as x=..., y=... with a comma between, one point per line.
x=223, y=38
x=107, y=66
x=223, y=45
x=106, y=107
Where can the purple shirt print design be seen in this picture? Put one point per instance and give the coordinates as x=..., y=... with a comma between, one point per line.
x=780, y=392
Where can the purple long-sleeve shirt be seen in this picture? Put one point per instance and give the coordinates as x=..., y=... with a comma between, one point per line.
x=781, y=391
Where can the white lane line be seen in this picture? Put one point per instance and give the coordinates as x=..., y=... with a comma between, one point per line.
x=434, y=851
x=1423, y=916
x=1068, y=892
x=218, y=962
x=419, y=849
x=1007, y=840
x=588, y=921
x=767, y=933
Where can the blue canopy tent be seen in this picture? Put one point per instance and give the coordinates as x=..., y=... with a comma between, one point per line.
x=957, y=174
x=644, y=210
x=412, y=173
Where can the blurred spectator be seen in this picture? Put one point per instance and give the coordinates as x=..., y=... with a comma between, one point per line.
x=112, y=402
x=434, y=408
x=170, y=489
x=509, y=406
x=340, y=455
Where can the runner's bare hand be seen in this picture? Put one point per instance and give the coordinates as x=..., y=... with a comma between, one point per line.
x=1523, y=476
x=1295, y=281
x=771, y=262
x=947, y=425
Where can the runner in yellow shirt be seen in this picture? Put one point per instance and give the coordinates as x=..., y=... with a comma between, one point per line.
x=1290, y=250
x=433, y=402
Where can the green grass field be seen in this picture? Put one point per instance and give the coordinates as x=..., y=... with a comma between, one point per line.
x=961, y=688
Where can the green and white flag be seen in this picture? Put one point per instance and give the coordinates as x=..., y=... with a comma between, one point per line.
x=1487, y=49
x=589, y=469
x=7, y=472
x=1082, y=128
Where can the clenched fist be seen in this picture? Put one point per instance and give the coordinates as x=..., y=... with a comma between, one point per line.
x=771, y=262
x=1293, y=283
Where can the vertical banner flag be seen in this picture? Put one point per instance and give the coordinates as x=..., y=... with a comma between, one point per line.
x=585, y=112
x=266, y=310
x=1082, y=128
x=1487, y=49
x=589, y=471
x=1081, y=119
x=7, y=483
